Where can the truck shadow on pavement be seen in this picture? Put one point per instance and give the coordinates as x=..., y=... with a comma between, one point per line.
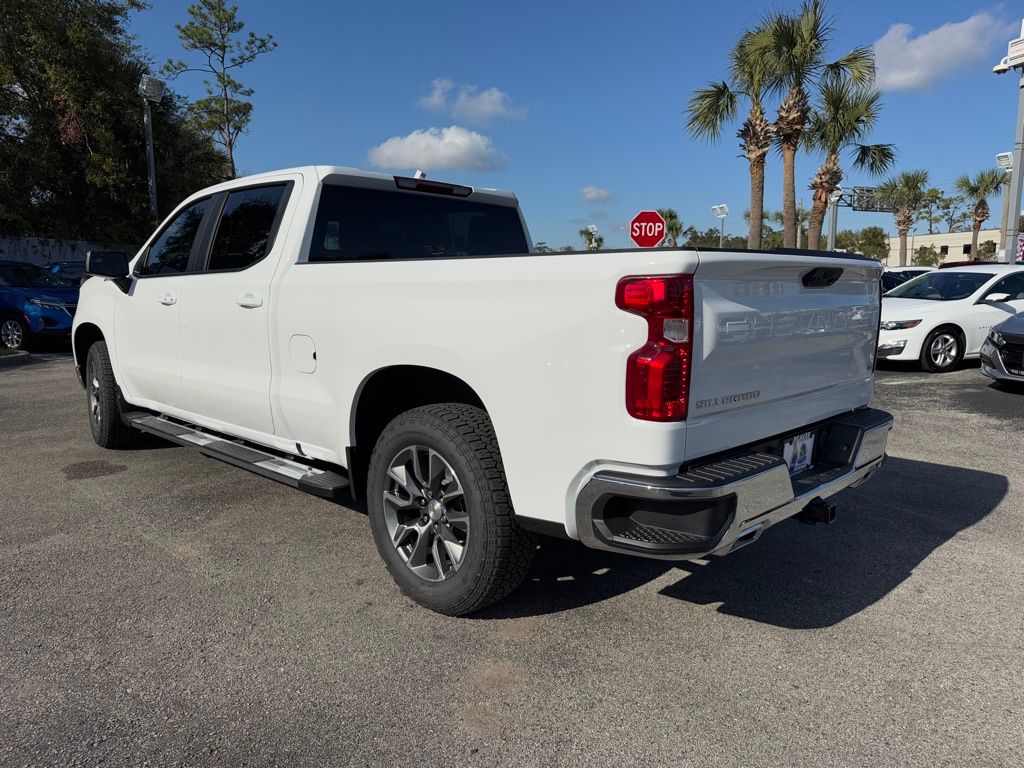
x=796, y=576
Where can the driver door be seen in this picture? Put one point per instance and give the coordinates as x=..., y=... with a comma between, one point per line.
x=147, y=341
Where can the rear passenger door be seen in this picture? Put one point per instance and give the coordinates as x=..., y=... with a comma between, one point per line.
x=226, y=307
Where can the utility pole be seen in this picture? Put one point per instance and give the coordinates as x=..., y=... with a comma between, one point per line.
x=833, y=218
x=1013, y=193
x=1014, y=61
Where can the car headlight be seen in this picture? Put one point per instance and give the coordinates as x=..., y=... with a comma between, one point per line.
x=42, y=304
x=899, y=325
x=997, y=338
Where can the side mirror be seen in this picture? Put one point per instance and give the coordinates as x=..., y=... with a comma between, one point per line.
x=106, y=264
x=996, y=298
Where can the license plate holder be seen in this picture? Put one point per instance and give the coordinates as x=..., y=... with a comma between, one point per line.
x=798, y=452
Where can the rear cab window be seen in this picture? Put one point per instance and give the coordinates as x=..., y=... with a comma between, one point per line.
x=246, y=229
x=362, y=224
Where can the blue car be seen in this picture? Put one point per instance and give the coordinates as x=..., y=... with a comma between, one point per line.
x=69, y=271
x=34, y=304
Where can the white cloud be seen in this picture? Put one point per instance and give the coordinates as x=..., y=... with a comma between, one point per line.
x=481, y=106
x=906, y=64
x=595, y=195
x=437, y=99
x=470, y=103
x=451, y=148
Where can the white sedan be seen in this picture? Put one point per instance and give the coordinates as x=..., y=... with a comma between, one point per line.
x=944, y=316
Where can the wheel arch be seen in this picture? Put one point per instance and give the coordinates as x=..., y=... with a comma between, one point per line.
x=86, y=334
x=951, y=326
x=389, y=391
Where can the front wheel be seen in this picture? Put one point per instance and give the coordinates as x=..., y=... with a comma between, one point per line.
x=440, y=510
x=13, y=334
x=104, y=403
x=942, y=350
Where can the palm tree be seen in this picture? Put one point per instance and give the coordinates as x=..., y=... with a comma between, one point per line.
x=803, y=217
x=795, y=48
x=673, y=227
x=905, y=194
x=846, y=115
x=712, y=107
x=592, y=240
x=977, y=191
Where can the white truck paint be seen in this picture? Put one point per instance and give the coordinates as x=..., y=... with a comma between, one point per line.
x=283, y=354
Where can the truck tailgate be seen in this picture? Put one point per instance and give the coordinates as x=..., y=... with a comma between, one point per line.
x=781, y=341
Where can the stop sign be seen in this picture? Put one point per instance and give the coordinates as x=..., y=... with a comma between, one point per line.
x=647, y=229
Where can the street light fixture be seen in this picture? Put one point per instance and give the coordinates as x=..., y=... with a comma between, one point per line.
x=151, y=90
x=1014, y=60
x=721, y=211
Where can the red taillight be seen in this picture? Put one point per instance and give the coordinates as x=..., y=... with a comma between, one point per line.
x=658, y=374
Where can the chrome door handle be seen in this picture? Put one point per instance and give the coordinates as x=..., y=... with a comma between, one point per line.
x=249, y=301
x=168, y=299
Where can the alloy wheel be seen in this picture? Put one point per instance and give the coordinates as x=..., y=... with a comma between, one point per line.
x=943, y=350
x=93, y=387
x=425, y=513
x=11, y=334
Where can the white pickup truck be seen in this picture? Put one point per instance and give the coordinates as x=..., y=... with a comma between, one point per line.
x=397, y=337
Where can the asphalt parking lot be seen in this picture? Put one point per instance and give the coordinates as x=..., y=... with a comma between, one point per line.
x=161, y=608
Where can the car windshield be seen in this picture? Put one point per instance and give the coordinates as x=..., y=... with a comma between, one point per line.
x=941, y=286
x=29, y=276
x=70, y=271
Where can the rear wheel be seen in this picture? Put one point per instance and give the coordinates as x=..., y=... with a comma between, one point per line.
x=105, y=405
x=13, y=334
x=440, y=510
x=942, y=350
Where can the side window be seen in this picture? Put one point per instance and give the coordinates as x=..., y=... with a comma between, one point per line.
x=246, y=227
x=356, y=223
x=169, y=253
x=1013, y=285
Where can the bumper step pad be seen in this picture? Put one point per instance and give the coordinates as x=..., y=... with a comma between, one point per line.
x=262, y=461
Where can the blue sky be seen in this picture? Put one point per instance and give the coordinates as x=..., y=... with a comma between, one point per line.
x=550, y=99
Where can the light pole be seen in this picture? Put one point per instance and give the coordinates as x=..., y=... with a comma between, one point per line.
x=1014, y=60
x=1005, y=161
x=592, y=244
x=151, y=90
x=721, y=211
x=833, y=219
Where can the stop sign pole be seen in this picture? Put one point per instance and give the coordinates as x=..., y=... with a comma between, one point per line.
x=647, y=229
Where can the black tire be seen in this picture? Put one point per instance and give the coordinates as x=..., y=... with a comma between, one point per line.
x=13, y=333
x=496, y=554
x=934, y=361
x=104, y=404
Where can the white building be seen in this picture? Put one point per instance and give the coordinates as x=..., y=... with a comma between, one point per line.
x=951, y=246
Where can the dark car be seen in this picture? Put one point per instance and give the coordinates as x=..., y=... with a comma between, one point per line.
x=1002, y=353
x=69, y=271
x=34, y=304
